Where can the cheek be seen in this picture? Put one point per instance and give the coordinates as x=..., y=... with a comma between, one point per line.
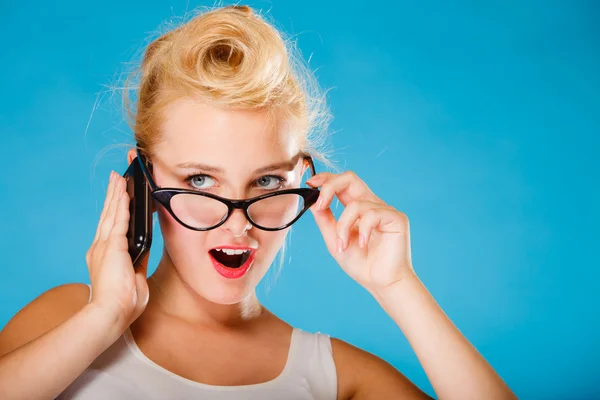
x=168, y=225
x=270, y=243
x=180, y=241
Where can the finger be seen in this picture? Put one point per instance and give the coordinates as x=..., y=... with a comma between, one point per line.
x=347, y=186
x=384, y=219
x=142, y=265
x=109, y=219
x=121, y=224
x=388, y=221
x=109, y=193
x=103, y=227
x=142, y=292
x=141, y=283
x=118, y=233
x=332, y=184
x=367, y=223
x=325, y=197
x=351, y=214
x=326, y=193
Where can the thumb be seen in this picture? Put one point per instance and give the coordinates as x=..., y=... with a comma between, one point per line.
x=141, y=284
x=141, y=266
x=327, y=225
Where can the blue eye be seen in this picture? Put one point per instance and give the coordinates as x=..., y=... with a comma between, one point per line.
x=206, y=182
x=270, y=182
x=201, y=182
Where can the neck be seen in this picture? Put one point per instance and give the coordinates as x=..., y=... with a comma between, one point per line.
x=169, y=294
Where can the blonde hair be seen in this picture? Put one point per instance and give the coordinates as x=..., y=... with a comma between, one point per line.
x=229, y=57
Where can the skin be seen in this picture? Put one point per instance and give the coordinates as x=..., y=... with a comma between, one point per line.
x=188, y=298
x=241, y=341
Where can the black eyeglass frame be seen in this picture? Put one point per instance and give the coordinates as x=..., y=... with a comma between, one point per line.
x=164, y=196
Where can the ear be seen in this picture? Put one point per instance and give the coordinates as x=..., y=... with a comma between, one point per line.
x=305, y=167
x=131, y=155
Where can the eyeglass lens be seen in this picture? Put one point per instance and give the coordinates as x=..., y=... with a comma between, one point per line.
x=204, y=212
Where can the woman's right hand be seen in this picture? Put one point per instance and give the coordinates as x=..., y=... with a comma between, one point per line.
x=117, y=287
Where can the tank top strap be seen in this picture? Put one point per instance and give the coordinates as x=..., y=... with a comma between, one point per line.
x=314, y=360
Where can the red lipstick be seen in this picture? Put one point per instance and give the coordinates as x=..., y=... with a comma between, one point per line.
x=233, y=273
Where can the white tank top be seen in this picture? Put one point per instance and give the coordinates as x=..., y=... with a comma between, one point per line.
x=124, y=372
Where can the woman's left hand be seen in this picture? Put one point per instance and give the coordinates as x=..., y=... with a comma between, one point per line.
x=371, y=240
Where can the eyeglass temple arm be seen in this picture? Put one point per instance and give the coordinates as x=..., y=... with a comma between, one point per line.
x=311, y=163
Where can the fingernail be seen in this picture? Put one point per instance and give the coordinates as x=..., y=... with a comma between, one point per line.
x=313, y=180
x=340, y=245
x=112, y=175
x=319, y=203
x=361, y=240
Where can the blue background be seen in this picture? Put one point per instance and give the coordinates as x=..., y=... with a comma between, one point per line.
x=481, y=122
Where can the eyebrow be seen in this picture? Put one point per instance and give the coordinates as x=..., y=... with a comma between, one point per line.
x=284, y=165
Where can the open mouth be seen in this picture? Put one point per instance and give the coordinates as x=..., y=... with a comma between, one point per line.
x=230, y=258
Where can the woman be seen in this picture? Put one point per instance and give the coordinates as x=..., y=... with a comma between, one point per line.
x=223, y=113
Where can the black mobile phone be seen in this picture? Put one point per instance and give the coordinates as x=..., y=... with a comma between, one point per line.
x=139, y=234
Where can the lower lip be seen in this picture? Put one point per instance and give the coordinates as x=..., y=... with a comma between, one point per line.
x=232, y=273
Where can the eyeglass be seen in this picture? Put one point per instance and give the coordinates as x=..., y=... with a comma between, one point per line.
x=201, y=211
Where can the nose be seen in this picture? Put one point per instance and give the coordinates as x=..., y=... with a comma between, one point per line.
x=237, y=223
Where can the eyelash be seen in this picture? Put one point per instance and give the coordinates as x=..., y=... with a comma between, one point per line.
x=188, y=179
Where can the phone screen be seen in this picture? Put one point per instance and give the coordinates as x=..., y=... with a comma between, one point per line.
x=139, y=234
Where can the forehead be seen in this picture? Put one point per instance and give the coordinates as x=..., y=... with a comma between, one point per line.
x=230, y=139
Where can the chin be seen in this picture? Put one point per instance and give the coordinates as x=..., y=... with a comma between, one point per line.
x=225, y=294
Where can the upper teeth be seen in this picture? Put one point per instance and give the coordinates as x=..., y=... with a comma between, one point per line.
x=232, y=252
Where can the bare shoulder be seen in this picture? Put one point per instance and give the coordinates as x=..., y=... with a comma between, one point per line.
x=43, y=314
x=362, y=375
